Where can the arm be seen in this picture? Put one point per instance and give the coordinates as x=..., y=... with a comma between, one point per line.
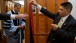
x=4, y=16
x=9, y=27
x=44, y=11
x=47, y=13
x=11, y=16
x=68, y=35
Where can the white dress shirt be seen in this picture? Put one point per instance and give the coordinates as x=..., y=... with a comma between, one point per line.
x=39, y=7
x=12, y=16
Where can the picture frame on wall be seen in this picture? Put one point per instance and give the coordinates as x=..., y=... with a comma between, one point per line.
x=34, y=8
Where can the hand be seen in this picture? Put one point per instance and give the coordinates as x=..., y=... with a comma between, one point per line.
x=22, y=25
x=26, y=16
x=22, y=16
x=33, y=2
x=54, y=26
x=19, y=27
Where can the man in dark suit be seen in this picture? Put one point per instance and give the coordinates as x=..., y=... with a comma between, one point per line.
x=12, y=16
x=64, y=26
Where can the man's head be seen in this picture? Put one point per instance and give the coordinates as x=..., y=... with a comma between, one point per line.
x=65, y=9
x=17, y=7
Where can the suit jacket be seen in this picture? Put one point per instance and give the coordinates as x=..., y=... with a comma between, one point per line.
x=66, y=33
x=4, y=16
x=10, y=30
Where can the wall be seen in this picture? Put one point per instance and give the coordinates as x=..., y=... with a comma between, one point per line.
x=74, y=7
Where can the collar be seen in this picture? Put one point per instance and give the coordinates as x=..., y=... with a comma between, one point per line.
x=14, y=11
x=64, y=18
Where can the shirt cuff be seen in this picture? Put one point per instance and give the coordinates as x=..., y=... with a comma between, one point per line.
x=39, y=7
x=12, y=16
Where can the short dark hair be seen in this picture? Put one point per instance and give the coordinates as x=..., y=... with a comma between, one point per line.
x=17, y=4
x=67, y=5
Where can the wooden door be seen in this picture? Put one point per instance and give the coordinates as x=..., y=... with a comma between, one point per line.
x=3, y=39
x=42, y=24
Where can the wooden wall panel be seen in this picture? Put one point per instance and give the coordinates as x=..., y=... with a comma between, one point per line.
x=34, y=19
x=41, y=39
x=41, y=24
x=41, y=19
x=58, y=2
x=22, y=9
x=50, y=4
x=3, y=39
x=28, y=40
x=50, y=21
x=42, y=28
x=35, y=39
x=9, y=6
x=42, y=3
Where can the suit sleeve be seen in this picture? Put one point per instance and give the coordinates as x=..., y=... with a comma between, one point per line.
x=4, y=16
x=67, y=35
x=47, y=13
